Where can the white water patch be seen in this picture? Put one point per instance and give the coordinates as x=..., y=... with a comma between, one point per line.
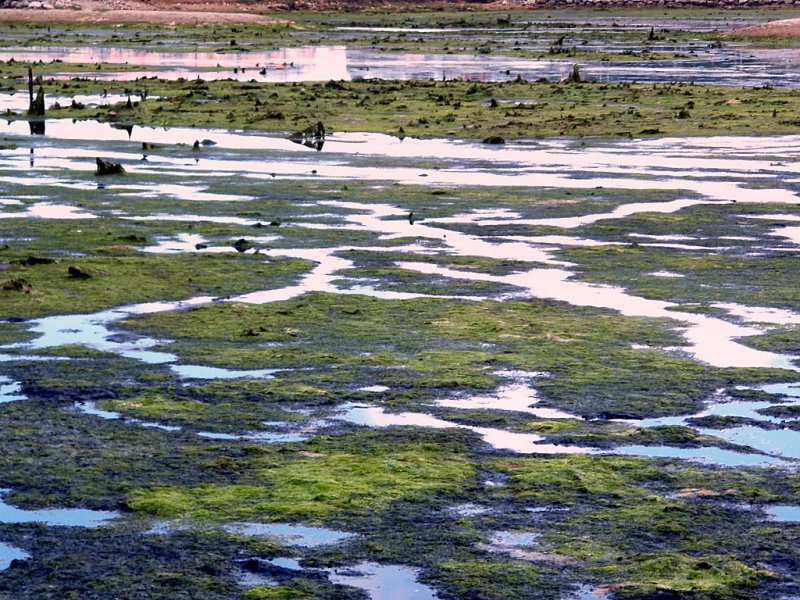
x=180, y=192
x=9, y=554
x=92, y=331
x=262, y=437
x=706, y=455
x=754, y=314
x=667, y=274
x=48, y=210
x=192, y=242
x=516, y=397
x=375, y=389
x=523, y=443
x=384, y=582
x=544, y=164
x=711, y=340
x=783, y=513
x=321, y=278
x=10, y=390
x=55, y=517
x=779, y=444
x=290, y=534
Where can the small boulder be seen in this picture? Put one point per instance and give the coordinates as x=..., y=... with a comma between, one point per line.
x=36, y=260
x=106, y=167
x=242, y=245
x=494, y=139
x=78, y=273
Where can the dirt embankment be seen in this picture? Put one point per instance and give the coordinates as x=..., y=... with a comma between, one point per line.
x=787, y=28
x=204, y=12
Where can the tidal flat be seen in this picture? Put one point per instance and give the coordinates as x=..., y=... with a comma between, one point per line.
x=528, y=331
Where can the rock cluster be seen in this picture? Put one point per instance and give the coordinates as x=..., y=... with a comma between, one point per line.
x=38, y=4
x=660, y=3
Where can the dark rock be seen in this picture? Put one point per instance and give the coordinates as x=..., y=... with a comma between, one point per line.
x=36, y=260
x=17, y=285
x=242, y=245
x=78, y=273
x=494, y=139
x=106, y=167
x=312, y=136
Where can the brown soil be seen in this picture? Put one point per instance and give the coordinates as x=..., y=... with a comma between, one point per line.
x=129, y=16
x=216, y=12
x=787, y=28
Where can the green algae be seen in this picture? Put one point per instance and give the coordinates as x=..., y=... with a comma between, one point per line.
x=457, y=109
x=587, y=352
x=118, y=280
x=281, y=592
x=317, y=485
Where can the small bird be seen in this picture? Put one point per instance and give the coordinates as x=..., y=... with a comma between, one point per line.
x=411, y=217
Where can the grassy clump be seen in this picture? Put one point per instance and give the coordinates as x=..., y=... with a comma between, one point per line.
x=317, y=486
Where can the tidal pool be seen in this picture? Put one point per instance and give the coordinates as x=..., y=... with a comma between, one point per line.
x=10, y=390
x=383, y=582
x=9, y=554
x=729, y=65
x=523, y=443
x=783, y=514
x=55, y=517
x=292, y=535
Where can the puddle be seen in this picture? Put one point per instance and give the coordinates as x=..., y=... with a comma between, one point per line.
x=469, y=510
x=516, y=397
x=90, y=408
x=203, y=372
x=10, y=390
x=263, y=437
x=55, y=517
x=718, y=66
x=376, y=389
x=20, y=100
x=8, y=554
x=514, y=539
x=783, y=514
x=292, y=535
x=383, y=582
x=588, y=592
x=776, y=441
x=707, y=455
x=47, y=210
x=523, y=443
x=711, y=340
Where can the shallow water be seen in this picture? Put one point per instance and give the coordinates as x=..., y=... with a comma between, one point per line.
x=775, y=441
x=730, y=65
x=523, y=443
x=707, y=455
x=10, y=390
x=518, y=397
x=514, y=539
x=704, y=168
x=292, y=535
x=783, y=514
x=9, y=553
x=383, y=582
x=55, y=517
